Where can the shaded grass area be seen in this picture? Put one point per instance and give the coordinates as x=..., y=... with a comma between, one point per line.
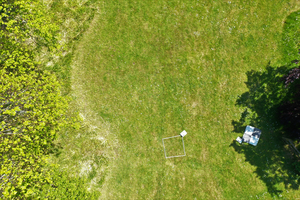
x=182, y=65
x=274, y=164
x=266, y=92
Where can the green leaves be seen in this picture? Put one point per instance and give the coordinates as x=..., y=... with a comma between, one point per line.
x=65, y=187
x=32, y=110
x=12, y=112
x=26, y=27
x=22, y=153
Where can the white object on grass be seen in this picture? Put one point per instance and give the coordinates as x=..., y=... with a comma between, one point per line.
x=182, y=134
x=253, y=141
x=239, y=140
x=249, y=130
x=251, y=135
x=248, y=134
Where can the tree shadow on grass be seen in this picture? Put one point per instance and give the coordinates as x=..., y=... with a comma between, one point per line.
x=274, y=165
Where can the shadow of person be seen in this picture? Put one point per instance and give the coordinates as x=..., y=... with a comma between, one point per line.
x=274, y=165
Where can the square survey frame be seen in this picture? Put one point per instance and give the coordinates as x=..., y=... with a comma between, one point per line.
x=165, y=148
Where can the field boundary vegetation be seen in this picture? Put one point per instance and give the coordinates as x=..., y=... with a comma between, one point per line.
x=30, y=93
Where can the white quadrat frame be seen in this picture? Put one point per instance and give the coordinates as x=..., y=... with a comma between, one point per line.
x=165, y=148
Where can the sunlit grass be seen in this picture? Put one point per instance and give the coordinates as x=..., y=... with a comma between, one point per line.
x=145, y=71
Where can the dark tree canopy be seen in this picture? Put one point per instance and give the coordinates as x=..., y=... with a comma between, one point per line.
x=293, y=75
x=289, y=110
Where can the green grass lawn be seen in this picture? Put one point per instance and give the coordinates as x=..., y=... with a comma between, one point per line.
x=148, y=70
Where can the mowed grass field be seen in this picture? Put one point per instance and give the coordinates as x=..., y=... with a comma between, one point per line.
x=146, y=70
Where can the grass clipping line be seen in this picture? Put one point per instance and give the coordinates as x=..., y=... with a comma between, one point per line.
x=90, y=118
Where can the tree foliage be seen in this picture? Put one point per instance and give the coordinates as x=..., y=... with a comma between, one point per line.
x=25, y=28
x=66, y=187
x=31, y=113
x=28, y=23
x=293, y=75
x=289, y=110
x=32, y=109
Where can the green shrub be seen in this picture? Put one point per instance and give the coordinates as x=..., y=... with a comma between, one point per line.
x=65, y=187
x=296, y=164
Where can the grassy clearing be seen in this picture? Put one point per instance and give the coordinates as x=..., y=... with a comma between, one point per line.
x=145, y=71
